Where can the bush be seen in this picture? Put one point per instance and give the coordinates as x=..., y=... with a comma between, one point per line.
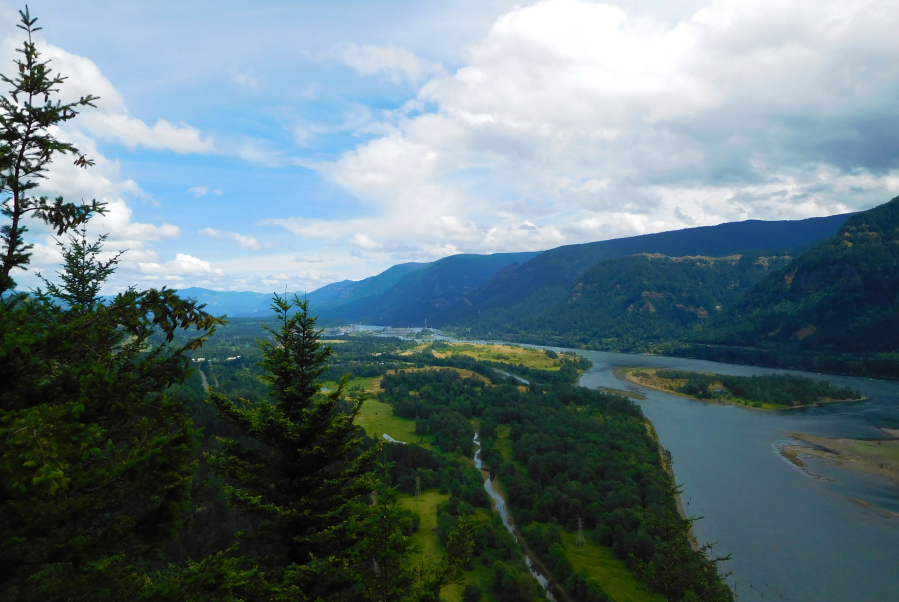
x=472, y=593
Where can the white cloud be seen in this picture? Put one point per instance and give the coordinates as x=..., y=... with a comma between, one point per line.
x=573, y=121
x=315, y=258
x=364, y=241
x=396, y=64
x=200, y=191
x=111, y=120
x=182, y=265
x=244, y=241
x=312, y=227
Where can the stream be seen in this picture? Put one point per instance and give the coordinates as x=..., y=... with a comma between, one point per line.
x=825, y=534
x=500, y=504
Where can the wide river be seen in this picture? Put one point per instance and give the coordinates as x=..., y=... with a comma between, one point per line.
x=792, y=536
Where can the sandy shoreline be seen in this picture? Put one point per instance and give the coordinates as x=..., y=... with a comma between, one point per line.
x=877, y=457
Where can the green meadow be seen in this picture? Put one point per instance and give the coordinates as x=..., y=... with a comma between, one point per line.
x=601, y=564
x=377, y=419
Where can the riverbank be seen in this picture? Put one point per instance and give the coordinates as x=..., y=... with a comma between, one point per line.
x=877, y=457
x=647, y=378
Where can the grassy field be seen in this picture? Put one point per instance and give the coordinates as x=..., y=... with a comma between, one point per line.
x=354, y=383
x=503, y=442
x=601, y=564
x=506, y=354
x=377, y=419
x=429, y=549
x=462, y=371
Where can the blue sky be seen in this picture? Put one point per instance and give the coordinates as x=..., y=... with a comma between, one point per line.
x=285, y=145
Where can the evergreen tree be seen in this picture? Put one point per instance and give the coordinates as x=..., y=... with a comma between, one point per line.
x=298, y=465
x=27, y=117
x=95, y=456
x=83, y=272
x=384, y=546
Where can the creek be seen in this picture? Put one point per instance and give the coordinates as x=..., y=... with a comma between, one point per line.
x=826, y=534
x=500, y=506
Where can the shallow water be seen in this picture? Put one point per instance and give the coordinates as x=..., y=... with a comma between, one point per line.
x=792, y=536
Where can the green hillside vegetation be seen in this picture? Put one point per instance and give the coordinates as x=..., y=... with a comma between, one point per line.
x=599, y=563
x=834, y=307
x=422, y=293
x=769, y=391
x=632, y=303
x=536, y=286
x=580, y=454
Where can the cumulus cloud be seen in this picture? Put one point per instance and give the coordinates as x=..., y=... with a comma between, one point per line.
x=182, y=265
x=364, y=241
x=111, y=120
x=200, y=191
x=573, y=120
x=314, y=258
x=396, y=64
x=244, y=241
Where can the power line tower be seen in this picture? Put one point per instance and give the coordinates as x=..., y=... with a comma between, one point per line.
x=417, y=489
x=580, y=533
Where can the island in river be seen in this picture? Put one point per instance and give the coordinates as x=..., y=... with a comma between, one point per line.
x=759, y=392
x=874, y=456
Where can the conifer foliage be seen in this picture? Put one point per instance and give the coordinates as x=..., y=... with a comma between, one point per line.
x=298, y=466
x=27, y=115
x=95, y=457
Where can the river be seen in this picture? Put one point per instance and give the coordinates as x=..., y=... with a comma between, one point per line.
x=792, y=537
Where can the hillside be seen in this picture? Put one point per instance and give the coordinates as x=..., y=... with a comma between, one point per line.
x=347, y=291
x=468, y=290
x=232, y=303
x=841, y=296
x=628, y=303
x=434, y=289
x=547, y=279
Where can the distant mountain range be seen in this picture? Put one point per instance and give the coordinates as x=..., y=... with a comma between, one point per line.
x=820, y=293
x=481, y=289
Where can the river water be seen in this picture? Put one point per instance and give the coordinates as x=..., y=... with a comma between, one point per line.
x=792, y=536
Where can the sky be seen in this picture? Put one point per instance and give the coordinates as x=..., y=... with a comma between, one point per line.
x=277, y=145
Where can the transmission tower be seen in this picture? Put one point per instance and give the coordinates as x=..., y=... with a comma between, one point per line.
x=417, y=489
x=580, y=532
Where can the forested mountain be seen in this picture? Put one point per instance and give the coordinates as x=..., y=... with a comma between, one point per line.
x=468, y=288
x=232, y=303
x=547, y=279
x=841, y=296
x=347, y=291
x=454, y=291
x=628, y=303
x=246, y=304
x=433, y=289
